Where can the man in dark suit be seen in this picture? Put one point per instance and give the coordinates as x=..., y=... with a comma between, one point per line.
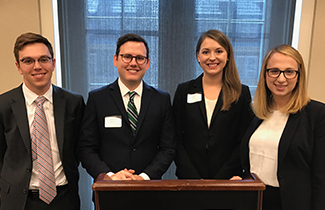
x=109, y=142
x=21, y=155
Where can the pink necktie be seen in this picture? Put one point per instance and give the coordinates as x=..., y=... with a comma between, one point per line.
x=41, y=150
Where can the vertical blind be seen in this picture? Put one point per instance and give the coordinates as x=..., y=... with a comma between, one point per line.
x=89, y=30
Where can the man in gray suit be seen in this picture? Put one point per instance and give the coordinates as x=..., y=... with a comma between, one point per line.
x=24, y=157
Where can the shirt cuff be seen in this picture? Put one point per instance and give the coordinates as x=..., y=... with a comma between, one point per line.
x=144, y=176
x=110, y=174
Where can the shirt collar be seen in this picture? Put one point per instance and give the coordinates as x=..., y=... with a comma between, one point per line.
x=30, y=96
x=124, y=90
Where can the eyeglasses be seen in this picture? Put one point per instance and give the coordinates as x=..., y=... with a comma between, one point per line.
x=30, y=61
x=288, y=74
x=127, y=58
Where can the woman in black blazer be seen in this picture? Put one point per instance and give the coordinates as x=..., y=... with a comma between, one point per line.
x=285, y=143
x=212, y=112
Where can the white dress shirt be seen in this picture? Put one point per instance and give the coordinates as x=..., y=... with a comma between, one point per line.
x=125, y=95
x=30, y=97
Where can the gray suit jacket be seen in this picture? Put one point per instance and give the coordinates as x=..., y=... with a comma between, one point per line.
x=15, y=144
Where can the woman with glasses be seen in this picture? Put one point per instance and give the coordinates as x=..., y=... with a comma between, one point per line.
x=285, y=143
x=212, y=113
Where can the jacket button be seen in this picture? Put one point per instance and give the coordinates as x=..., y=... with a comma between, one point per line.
x=28, y=170
x=134, y=149
x=25, y=191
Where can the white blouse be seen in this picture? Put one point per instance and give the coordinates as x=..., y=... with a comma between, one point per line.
x=263, y=148
x=209, y=106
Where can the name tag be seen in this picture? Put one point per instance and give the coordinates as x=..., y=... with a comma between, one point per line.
x=192, y=98
x=113, y=122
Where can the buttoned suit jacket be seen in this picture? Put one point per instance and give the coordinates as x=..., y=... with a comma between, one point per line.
x=105, y=148
x=301, y=156
x=15, y=144
x=208, y=152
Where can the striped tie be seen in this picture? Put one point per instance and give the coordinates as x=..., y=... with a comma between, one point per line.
x=41, y=150
x=132, y=112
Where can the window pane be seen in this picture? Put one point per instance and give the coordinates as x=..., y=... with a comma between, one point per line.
x=243, y=21
x=108, y=20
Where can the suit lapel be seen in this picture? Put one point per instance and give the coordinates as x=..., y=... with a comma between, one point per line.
x=285, y=139
x=59, y=105
x=217, y=107
x=145, y=101
x=287, y=135
x=115, y=92
x=19, y=111
x=197, y=88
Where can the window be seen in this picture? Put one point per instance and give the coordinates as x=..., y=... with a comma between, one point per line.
x=108, y=20
x=171, y=29
x=89, y=30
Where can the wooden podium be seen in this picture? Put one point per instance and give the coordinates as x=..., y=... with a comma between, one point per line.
x=243, y=194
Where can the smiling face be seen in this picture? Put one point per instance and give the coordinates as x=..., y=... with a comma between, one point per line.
x=36, y=76
x=212, y=57
x=131, y=73
x=280, y=87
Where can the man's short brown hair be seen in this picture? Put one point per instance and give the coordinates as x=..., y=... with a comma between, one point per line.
x=30, y=38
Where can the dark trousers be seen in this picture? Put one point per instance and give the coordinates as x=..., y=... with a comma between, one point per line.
x=271, y=198
x=62, y=201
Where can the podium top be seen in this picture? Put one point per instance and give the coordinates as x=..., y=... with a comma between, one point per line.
x=251, y=183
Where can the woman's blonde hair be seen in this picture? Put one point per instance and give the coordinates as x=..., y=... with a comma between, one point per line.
x=231, y=87
x=262, y=101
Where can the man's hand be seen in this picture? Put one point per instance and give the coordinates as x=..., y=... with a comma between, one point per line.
x=235, y=178
x=137, y=177
x=123, y=175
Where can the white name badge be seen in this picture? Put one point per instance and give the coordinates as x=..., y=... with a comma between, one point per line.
x=113, y=122
x=192, y=98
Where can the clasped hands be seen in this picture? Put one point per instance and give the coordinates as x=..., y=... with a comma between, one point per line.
x=126, y=174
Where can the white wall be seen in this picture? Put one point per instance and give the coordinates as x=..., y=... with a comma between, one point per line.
x=17, y=17
x=316, y=46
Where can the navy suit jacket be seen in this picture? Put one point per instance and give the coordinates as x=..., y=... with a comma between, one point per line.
x=15, y=144
x=103, y=148
x=209, y=152
x=301, y=158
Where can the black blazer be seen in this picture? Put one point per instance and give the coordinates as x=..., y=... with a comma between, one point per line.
x=15, y=144
x=301, y=156
x=213, y=152
x=103, y=148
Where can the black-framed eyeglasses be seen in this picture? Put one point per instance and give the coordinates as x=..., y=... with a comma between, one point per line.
x=127, y=58
x=30, y=61
x=288, y=74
